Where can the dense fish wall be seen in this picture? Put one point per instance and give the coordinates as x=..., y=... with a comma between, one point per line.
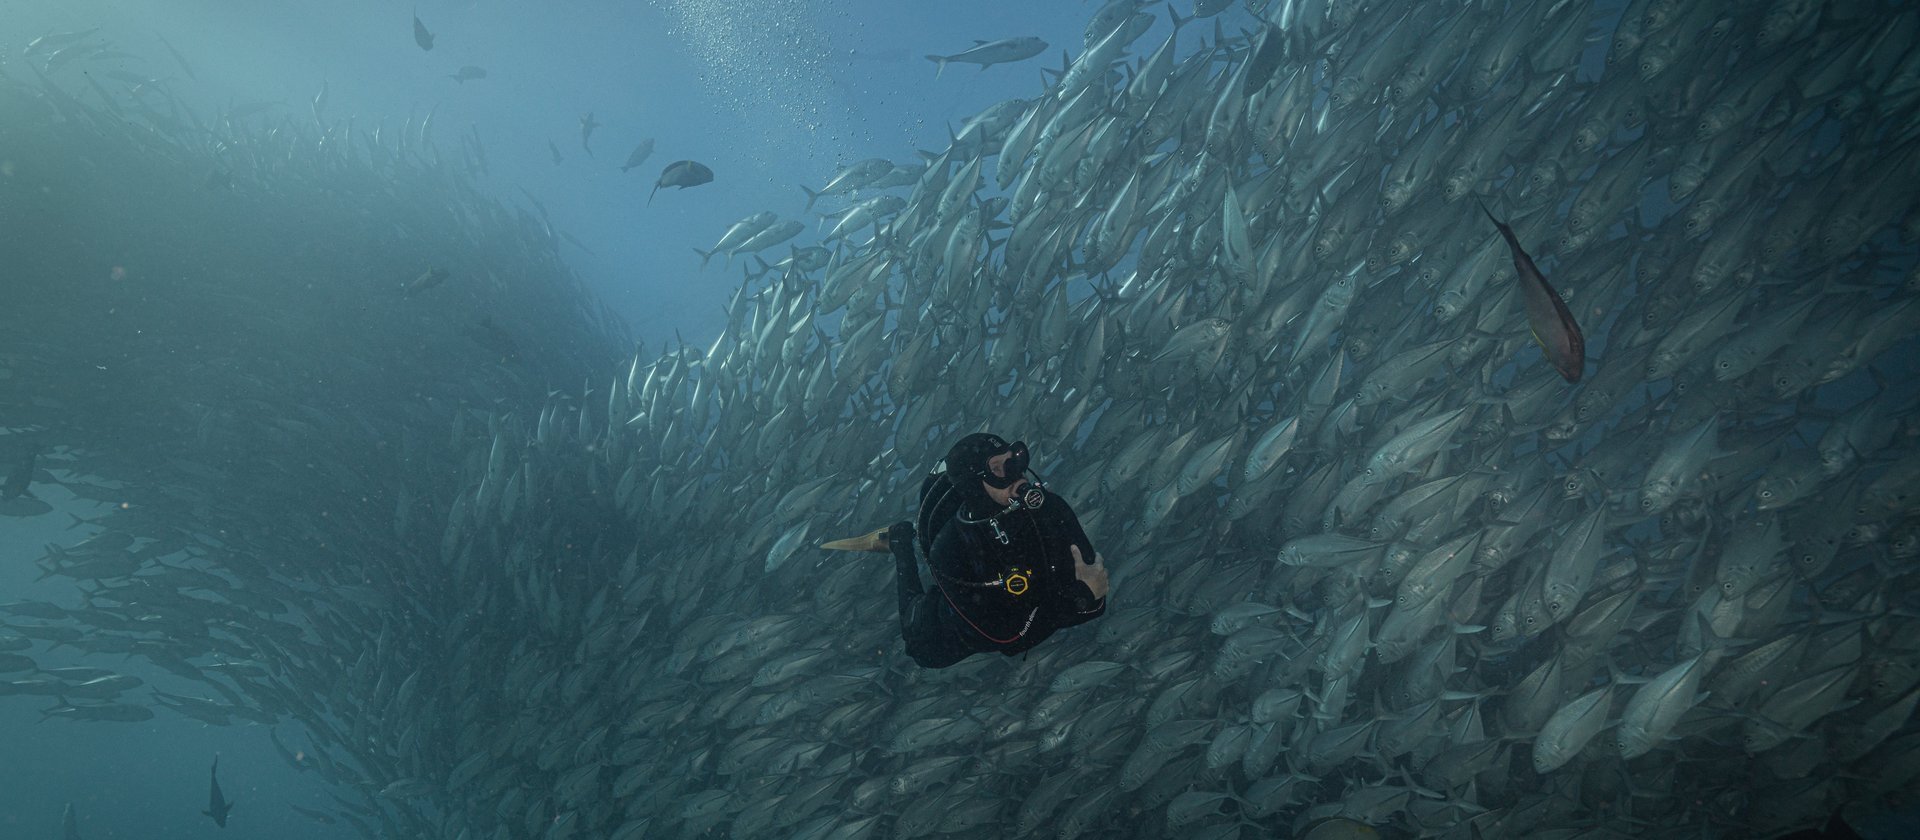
x=207, y=324
x=1373, y=556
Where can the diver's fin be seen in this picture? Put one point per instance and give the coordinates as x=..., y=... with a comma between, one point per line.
x=876, y=541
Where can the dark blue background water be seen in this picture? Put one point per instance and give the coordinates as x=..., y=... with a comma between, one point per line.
x=771, y=94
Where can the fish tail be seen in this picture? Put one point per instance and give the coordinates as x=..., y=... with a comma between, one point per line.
x=704, y=256
x=1483, y=209
x=656, y=189
x=941, y=62
x=811, y=197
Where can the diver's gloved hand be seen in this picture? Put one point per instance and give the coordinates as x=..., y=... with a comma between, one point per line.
x=901, y=533
x=1094, y=574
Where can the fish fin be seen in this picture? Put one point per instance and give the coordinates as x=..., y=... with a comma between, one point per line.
x=704, y=256
x=1483, y=208
x=1178, y=21
x=940, y=62
x=1613, y=673
x=811, y=197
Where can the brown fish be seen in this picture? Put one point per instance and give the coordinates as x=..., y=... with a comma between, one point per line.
x=1552, y=323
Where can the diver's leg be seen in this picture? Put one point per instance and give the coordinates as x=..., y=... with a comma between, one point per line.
x=929, y=643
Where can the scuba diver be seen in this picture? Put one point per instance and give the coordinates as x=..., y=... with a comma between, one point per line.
x=1008, y=558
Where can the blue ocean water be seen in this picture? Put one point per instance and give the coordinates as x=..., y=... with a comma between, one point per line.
x=772, y=94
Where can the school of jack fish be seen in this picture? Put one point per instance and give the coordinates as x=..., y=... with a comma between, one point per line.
x=1374, y=557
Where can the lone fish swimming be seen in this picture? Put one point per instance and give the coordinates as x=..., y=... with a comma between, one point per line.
x=217, y=804
x=1552, y=323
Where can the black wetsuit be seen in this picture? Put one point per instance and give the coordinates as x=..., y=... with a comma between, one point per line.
x=957, y=617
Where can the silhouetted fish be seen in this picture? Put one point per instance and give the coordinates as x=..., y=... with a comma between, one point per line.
x=682, y=174
x=217, y=805
x=420, y=34
x=639, y=155
x=587, y=125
